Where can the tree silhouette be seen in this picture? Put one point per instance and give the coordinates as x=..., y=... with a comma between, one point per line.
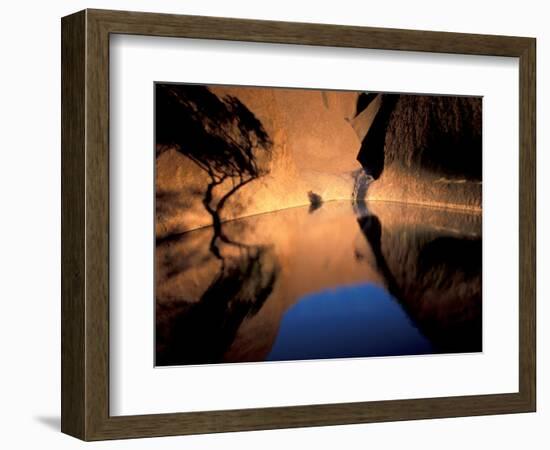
x=220, y=135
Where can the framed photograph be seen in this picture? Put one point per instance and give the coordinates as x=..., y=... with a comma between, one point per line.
x=270, y=224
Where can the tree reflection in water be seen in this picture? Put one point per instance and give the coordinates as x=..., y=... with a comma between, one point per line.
x=202, y=331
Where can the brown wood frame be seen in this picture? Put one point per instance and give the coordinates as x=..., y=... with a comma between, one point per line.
x=85, y=224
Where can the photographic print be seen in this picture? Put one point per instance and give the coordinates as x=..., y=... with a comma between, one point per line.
x=304, y=224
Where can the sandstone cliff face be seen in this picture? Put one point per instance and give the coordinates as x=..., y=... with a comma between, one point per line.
x=230, y=152
x=426, y=150
x=313, y=148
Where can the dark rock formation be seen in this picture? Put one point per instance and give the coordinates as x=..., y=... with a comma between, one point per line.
x=315, y=201
x=436, y=133
x=372, y=152
x=425, y=149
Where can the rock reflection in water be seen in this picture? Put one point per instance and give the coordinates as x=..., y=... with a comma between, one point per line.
x=391, y=271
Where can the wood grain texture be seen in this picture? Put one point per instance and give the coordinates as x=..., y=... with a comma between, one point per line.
x=97, y=226
x=151, y=24
x=527, y=223
x=72, y=224
x=85, y=224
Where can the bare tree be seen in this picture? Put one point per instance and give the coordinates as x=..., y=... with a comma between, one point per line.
x=220, y=135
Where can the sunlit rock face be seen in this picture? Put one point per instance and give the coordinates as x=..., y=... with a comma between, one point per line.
x=267, y=149
x=311, y=145
x=426, y=150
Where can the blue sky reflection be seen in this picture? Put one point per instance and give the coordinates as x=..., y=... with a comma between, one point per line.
x=348, y=321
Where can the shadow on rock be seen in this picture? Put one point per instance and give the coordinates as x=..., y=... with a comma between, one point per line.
x=220, y=135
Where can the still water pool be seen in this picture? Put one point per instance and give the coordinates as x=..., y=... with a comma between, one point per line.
x=379, y=279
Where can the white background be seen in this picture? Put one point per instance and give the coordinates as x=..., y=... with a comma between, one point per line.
x=136, y=387
x=30, y=238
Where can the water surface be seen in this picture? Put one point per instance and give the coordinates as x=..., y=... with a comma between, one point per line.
x=346, y=322
x=379, y=279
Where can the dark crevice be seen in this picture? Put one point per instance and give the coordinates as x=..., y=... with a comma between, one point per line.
x=372, y=230
x=363, y=101
x=371, y=153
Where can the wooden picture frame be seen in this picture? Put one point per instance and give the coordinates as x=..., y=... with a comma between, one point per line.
x=85, y=224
